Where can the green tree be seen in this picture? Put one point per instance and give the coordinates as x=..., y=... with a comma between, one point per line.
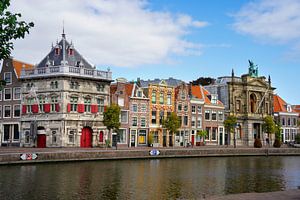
x=11, y=29
x=172, y=123
x=202, y=134
x=277, y=131
x=269, y=125
x=111, y=118
x=229, y=125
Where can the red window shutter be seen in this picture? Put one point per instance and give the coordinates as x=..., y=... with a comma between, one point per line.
x=80, y=108
x=47, y=107
x=105, y=107
x=94, y=108
x=69, y=107
x=57, y=107
x=101, y=136
x=35, y=108
x=24, y=109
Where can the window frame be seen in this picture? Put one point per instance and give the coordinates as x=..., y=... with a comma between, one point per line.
x=4, y=78
x=5, y=99
x=14, y=93
x=9, y=111
x=14, y=116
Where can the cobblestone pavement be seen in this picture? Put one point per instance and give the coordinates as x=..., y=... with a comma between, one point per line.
x=281, y=195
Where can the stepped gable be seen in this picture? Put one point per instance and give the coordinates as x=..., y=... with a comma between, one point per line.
x=64, y=53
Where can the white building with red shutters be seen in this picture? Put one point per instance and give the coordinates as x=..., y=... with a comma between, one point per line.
x=63, y=100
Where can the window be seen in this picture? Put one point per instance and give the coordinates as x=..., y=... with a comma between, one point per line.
x=161, y=117
x=221, y=116
x=16, y=132
x=287, y=134
x=74, y=101
x=57, y=50
x=214, y=115
x=1, y=95
x=214, y=99
x=185, y=120
x=54, y=136
x=54, y=100
x=294, y=121
x=27, y=136
x=214, y=134
x=121, y=136
x=182, y=95
x=207, y=115
x=17, y=93
x=30, y=101
x=100, y=88
x=0, y=111
x=161, y=98
x=8, y=78
x=71, y=136
x=199, y=124
x=134, y=108
x=267, y=108
x=193, y=121
x=74, y=85
x=139, y=93
x=87, y=104
x=143, y=122
x=153, y=96
x=7, y=94
x=208, y=133
x=199, y=108
x=7, y=113
x=100, y=103
x=54, y=85
x=193, y=109
x=42, y=101
x=121, y=101
x=186, y=108
x=17, y=111
x=155, y=137
x=134, y=121
x=169, y=99
x=153, y=119
x=283, y=121
x=142, y=137
x=124, y=116
x=238, y=105
x=71, y=51
x=143, y=107
x=289, y=122
x=179, y=107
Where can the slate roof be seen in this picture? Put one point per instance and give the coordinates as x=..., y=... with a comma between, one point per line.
x=71, y=60
x=170, y=82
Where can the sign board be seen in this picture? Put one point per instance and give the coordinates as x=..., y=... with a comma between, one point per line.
x=154, y=152
x=28, y=156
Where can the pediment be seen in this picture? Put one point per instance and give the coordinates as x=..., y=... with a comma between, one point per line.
x=258, y=83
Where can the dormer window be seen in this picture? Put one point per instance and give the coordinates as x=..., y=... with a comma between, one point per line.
x=71, y=52
x=214, y=99
x=57, y=50
x=289, y=108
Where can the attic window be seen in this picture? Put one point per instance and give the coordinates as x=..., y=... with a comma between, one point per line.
x=57, y=51
x=71, y=51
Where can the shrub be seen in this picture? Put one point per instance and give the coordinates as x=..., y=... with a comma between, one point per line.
x=257, y=143
x=277, y=143
x=297, y=138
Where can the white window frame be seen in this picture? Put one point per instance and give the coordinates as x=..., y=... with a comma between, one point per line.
x=15, y=93
x=135, y=125
x=14, y=111
x=134, y=105
x=127, y=116
x=74, y=136
x=1, y=111
x=143, y=107
x=209, y=112
x=4, y=99
x=214, y=112
x=143, y=119
x=4, y=111
x=125, y=136
x=193, y=110
x=1, y=95
x=10, y=77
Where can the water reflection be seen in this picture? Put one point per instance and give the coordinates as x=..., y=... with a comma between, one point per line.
x=149, y=179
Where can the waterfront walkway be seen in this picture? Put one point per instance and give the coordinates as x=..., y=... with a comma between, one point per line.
x=13, y=155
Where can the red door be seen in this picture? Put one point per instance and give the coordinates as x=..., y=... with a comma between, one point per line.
x=193, y=139
x=86, y=138
x=41, y=141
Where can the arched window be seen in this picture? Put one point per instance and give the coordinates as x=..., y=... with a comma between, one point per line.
x=253, y=103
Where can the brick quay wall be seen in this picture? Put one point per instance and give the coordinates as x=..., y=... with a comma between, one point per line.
x=13, y=156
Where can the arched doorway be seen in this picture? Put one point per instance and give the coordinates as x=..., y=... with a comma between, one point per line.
x=253, y=100
x=86, y=137
x=41, y=137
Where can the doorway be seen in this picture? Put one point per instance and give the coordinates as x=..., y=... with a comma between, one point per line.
x=86, y=137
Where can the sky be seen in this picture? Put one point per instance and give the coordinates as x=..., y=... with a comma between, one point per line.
x=172, y=38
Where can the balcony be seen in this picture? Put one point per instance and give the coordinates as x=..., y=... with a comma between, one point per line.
x=66, y=71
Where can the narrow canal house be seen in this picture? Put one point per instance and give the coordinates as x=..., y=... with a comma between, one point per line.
x=10, y=102
x=183, y=111
x=249, y=98
x=134, y=117
x=287, y=117
x=161, y=104
x=63, y=100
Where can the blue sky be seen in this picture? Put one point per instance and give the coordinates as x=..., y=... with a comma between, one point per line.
x=174, y=38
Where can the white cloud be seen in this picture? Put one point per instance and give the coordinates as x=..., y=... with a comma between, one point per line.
x=117, y=33
x=275, y=21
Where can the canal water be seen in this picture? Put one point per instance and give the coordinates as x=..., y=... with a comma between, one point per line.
x=178, y=178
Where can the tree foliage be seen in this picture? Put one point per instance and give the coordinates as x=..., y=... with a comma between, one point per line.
x=230, y=123
x=172, y=123
x=11, y=28
x=269, y=125
x=203, y=81
x=202, y=133
x=2, y=83
x=111, y=117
